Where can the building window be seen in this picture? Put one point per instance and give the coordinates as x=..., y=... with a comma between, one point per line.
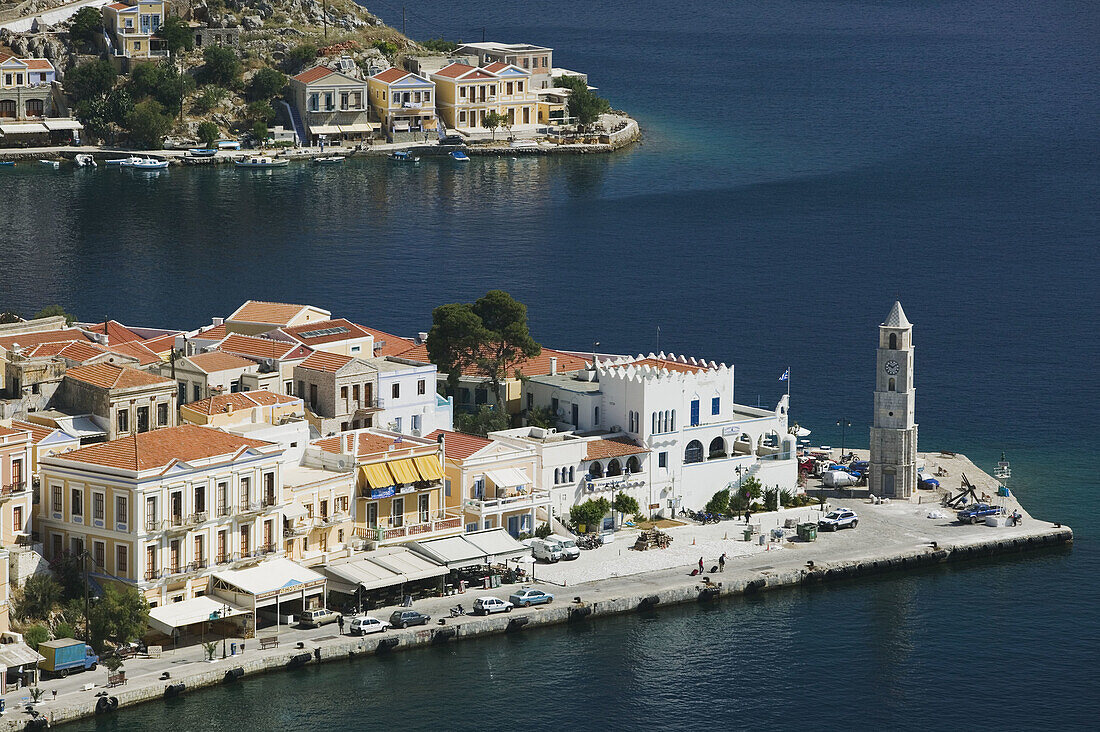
x=200, y=499
x=422, y=387
x=76, y=504
x=122, y=513
x=123, y=420
x=893, y=384
x=530, y=401
x=396, y=391
x=893, y=341
x=288, y=388
x=162, y=415
x=662, y=459
x=554, y=403
x=98, y=508
x=196, y=392
x=416, y=421
x=122, y=559
x=343, y=392
x=693, y=453
x=99, y=555
x=715, y=405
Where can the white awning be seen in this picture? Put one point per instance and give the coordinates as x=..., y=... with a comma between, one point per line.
x=507, y=477
x=267, y=581
x=497, y=543
x=14, y=655
x=165, y=618
x=413, y=566
x=62, y=124
x=324, y=129
x=476, y=547
x=383, y=568
x=356, y=128
x=31, y=128
x=294, y=511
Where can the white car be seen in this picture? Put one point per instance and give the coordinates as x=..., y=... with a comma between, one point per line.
x=490, y=605
x=841, y=518
x=566, y=544
x=366, y=624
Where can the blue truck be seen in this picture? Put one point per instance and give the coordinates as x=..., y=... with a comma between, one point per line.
x=65, y=655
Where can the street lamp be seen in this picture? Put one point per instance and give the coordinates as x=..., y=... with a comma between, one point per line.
x=740, y=470
x=843, y=424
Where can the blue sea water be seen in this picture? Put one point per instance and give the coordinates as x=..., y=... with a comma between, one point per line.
x=804, y=164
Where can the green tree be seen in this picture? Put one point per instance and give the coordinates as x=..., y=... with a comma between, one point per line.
x=590, y=513
x=208, y=97
x=39, y=595
x=64, y=630
x=541, y=417
x=300, y=55
x=259, y=112
x=103, y=117
x=90, y=80
x=259, y=133
x=489, y=336
x=35, y=635
x=626, y=503
x=266, y=84
x=162, y=82
x=482, y=422
x=440, y=45
x=719, y=502
x=771, y=500
x=220, y=66
x=176, y=34
x=388, y=48
x=147, y=125
x=208, y=133
x=569, y=81
x=493, y=120
x=585, y=106
x=52, y=311
x=10, y=317
x=86, y=27
x=543, y=531
x=120, y=616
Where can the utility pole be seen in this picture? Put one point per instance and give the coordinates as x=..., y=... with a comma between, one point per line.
x=84, y=560
x=324, y=18
x=403, y=21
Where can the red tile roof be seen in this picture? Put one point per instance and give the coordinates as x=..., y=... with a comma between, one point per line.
x=391, y=75
x=262, y=347
x=314, y=74
x=669, y=364
x=496, y=66
x=327, y=362
x=160, y=448
x=118, y=6
x=303, y=332
x=269, y=313
x=368, y=443
x=387, y=344
x=9, y=432
x=161, y=344
x=26, y=340
x=213, y=361
x=138, y=350
x=454, y=70
x=79, y=351
x=38, y=432
x=110, y=376
x=241, y=400
x=116, y=332
x=215, y=333
x=613, y=447
x=38, y=64
x=537, y=366
x=459, y=445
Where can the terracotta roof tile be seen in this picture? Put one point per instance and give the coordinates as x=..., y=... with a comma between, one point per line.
x=537, y=366
x=213, y=361
x=314, y=74
x=26, y=340
x=161, y=344
x=243, y=345
x=78, y=351
x=9, y=432
x=305, y=333
x=387, y=344
x=38, y=432
x=270, y=313
x=454, y=70
x=496, y=66
x=368, y=443
x=118, y=6
x=391, y=75
x=110, y=376
x=241, y=400
x=138, y=350
x=215, y=333
x=613, y=447
x=38, y=64
x=670, y=365
x=159, y=448
x=327, y=362
x=459, y=445
x=116, y=332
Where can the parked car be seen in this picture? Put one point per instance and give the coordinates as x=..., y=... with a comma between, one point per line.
x=365, y=625
x=566, y=544
x=490, y=605
x=406, y=618
x=860, y=466
x=528, y=597
x=317, y=618
x=975, y=513
x=838, y=479
x=453, y=140
x=841, y=518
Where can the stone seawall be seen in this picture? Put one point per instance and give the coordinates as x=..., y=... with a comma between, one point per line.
x=594, y=603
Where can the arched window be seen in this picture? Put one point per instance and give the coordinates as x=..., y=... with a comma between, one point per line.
x=672, y=422
x=557, y=475
x=892, y=385
x=34, y=107
x=655, y=430
x=633, y=466
x=893, y=341
x=614, y=468
x=570, y=475
x=595, y=469
x=694, y=412
x=693, y=453
x=717, y=449
x=7, y=108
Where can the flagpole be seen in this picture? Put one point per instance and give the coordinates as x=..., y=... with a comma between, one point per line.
x=788, y=383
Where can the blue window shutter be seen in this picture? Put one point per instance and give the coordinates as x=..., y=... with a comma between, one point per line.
x=715, y=405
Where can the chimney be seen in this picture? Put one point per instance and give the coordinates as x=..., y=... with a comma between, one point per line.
x=217, y=321
x=421, y=337
x=553, y=365
x=348, y=443
x=229, y=408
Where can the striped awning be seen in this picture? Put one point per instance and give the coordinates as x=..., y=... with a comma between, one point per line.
x=429, y=468
x=404, y=470
x=376, y=475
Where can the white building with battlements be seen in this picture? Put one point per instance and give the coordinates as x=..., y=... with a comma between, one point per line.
x=696, y=439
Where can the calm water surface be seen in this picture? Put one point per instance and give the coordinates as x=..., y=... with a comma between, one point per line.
x=804, y=164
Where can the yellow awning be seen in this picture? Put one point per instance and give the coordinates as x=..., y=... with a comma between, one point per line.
x=403, y=470
x=428, y=467
x=376, y=475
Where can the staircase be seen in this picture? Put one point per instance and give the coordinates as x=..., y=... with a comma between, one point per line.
x=296, y=122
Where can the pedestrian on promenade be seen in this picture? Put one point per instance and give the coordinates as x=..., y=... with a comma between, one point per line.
x=340, y=622
x=748, y=515
x=700, y=565
x=722, y=562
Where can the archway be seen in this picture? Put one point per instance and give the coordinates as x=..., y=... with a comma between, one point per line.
x=693, y=453
x=614, y=467
x=717, y=449
x=596, y=469
x=633, y=465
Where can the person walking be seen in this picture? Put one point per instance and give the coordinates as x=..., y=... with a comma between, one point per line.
x=340, y=623
x=722, y=562
x=700, y=565
x=748, y=515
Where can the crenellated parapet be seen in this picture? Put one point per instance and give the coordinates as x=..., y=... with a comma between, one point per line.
x=662, y=367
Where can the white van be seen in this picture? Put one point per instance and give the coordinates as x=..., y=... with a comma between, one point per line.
x=568, y=547
x=546, y=551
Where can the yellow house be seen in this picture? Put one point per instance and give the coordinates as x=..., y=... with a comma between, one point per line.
x=245, y=407
x=404, y=103
x=133, y=24
x=46, y=440
x=492, y=483
x=467, y=94
x=161, y=511
x=399, y=486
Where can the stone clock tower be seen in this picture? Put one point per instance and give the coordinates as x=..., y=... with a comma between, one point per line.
x=894, y=433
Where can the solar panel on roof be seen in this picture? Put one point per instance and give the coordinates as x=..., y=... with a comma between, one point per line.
x=325, y=332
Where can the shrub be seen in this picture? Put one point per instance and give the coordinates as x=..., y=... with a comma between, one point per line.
x=35, y=635
x=208, y=97
x=299, y=56
x=719, y=502
x=162, y=82
x=64, y=630
x=543, y=531
x=208, y=133
x=438, y=44
x=86, y=26
x=266, y=84
x=220, y=66
x=147, y=125
x=625, y=503
x=589, y=513
x=771, y=499
x=177, y=34
x=51, y=311
x=388, y=48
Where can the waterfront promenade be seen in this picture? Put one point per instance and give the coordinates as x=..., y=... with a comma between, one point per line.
x=890, y=537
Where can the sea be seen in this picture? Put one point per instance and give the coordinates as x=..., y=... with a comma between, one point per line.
x=804, y=164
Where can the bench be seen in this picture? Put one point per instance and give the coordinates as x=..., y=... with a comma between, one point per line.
x=117, y=679
x=269, y=641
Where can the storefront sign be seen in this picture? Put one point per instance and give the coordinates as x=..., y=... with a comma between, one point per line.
x=382, y=492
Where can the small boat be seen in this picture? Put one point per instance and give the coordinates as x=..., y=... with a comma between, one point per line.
x=85, y=161
x=459, y=157
x=403, y=156
x=329, y=160
x=50, y=163
x=228, y=144
x=123, y=162
x=524, y=145
x=7, y=163
x=261, y=161
x=149, y=164
x=202, y=152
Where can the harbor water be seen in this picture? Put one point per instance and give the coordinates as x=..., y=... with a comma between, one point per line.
x=804, y=164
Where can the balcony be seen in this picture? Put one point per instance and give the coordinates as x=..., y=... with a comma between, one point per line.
x=11, y=490
x=411, y=525
x=613, y=483
x=515, y=502
x=223, y=559
x=153, y=526
x=152, y=575
x=250, y=507
x=183, y=522
x=332, y=519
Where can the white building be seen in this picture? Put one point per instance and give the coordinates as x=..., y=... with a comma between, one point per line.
x=673, y=420
x=408, y=398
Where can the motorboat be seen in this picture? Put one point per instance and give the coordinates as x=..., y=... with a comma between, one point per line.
x=329, y=160
x=524, y=145
x=261, y=161
x=123, y=162
x=228, y=144
x=403, y=156
x=202, y=152
x=85, y=161
x=146, y=164
x=50, y=164
x=7, y=163
x=459, y=157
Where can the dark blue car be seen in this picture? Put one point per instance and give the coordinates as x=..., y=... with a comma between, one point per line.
x=976, y=513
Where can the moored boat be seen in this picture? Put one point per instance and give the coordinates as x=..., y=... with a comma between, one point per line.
x=85, y=161
x=459, y=157
x=202, y=152
x=403, y=156
x=123, y=162
x=260, y=161
x=50, y=164
x=7, y=163
x=329, y=160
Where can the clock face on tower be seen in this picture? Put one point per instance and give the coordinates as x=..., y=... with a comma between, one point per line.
x=892, y=368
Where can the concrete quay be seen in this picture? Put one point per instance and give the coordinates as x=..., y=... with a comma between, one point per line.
x=892, y=537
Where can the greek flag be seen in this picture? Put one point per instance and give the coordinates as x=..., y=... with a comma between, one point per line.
x=786, y=375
